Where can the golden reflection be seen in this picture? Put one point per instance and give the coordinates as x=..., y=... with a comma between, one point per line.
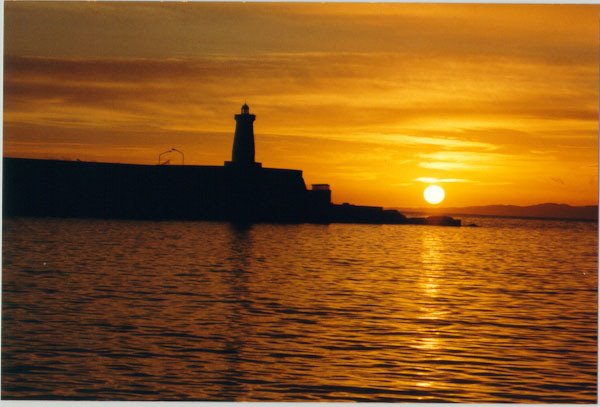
x=428, y=284
x=248, y=319
x=428, y=343
x=432, y=262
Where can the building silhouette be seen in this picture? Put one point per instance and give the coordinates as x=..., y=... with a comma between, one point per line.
x=242, y=190
x=242, y=153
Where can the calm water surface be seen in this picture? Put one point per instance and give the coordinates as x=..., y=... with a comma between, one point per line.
x=107, y=310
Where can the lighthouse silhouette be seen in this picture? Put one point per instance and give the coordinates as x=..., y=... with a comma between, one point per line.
x=242, y=154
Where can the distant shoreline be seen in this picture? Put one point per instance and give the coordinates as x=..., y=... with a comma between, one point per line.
x=417, y=212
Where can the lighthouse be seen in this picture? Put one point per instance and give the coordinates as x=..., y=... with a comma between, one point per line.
x=242, y=154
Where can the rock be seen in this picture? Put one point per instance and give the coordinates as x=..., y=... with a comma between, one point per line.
x=442, y=221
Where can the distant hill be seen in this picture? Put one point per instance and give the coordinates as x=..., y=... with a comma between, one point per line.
x=546, y=210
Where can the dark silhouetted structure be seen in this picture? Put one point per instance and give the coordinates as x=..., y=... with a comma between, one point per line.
x=240, y=191
x=242, y=154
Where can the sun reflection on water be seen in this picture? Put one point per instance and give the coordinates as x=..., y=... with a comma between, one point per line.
x=201, y=311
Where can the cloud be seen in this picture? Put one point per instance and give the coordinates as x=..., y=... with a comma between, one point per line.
x=461, y=160
x=448, y=166
x=444, y=142
x=379, y=96
x=162, y=30
x=365, y=95
x=429, y=180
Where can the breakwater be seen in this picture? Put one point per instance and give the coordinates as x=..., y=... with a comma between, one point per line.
x=55, y=188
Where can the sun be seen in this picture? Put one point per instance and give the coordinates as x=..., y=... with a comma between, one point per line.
x=434, y=194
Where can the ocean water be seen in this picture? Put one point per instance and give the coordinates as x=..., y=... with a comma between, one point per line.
x=127, y=310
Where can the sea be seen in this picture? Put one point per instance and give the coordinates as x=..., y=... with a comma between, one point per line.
x=208, y=311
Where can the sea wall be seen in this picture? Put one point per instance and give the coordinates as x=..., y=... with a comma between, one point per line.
x=53, y=188
x=82, y=189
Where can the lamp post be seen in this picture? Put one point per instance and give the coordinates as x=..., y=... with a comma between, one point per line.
x=161, y=154
x=182, y=156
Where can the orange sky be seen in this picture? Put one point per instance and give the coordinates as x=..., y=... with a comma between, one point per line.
x=497, y=103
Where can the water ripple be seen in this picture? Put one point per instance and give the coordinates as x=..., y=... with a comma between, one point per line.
x=202, y=311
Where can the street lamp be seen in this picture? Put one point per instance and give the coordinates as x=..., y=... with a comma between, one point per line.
x=182, y=156
x=161, y=154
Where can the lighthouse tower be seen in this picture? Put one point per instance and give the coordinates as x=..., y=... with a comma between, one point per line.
x=242, y=154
